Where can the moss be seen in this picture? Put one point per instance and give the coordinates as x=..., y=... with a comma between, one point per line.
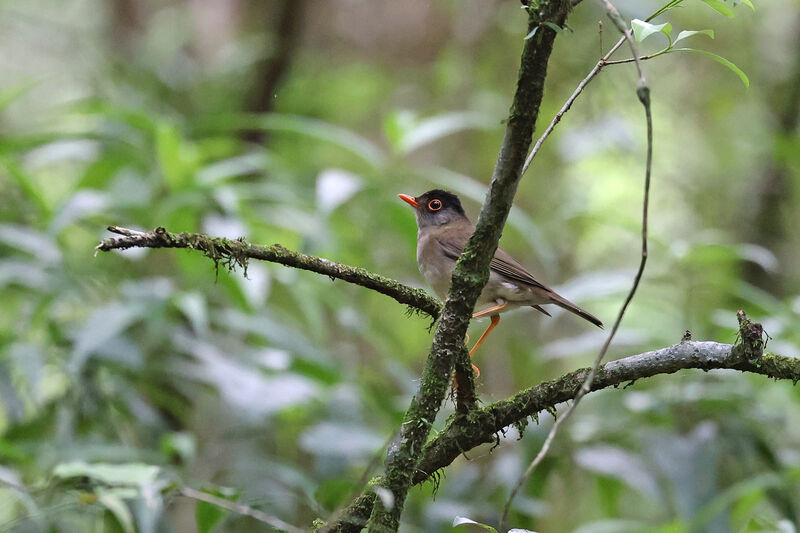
x=750, y=340
x=780, y=367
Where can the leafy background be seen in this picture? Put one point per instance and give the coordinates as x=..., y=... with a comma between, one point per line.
x=128, y=375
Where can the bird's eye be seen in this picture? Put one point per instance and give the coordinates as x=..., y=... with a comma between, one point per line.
x=435, y=205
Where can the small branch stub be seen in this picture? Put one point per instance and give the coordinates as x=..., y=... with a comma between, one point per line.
x=751, y=342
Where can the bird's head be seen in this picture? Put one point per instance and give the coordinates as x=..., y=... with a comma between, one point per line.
x=435, y=208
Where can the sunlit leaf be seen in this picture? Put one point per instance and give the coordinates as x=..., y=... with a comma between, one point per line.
x=193, y=305
x=129, y=474
x=423, y=132
x=341, y=440
x=759, y=255
x=613, y=526
x=461, y=520
x=618, y=463
x=60, y=151
x=553, y=26
x=27, y=239
x=242, y=385
x=685, y=34
x=104, y=324
x=531, y=33
x=83, y=203
x=319, y=129
x=208, y=516
x=231, y=168
x=719, y=7
x=179, y=444
x=29, y=274
x=719, y=59
x=119, y=510
x=642, y=30
x=335, y=187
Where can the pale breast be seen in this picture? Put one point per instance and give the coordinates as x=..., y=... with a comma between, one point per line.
x=435, y=267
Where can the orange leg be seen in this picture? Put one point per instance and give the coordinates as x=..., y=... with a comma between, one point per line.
x=495, y=321
x=490, y=310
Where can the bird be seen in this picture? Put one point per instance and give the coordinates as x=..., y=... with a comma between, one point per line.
x=443, y=230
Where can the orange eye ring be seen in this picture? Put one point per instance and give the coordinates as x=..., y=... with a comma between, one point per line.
x=435, y=205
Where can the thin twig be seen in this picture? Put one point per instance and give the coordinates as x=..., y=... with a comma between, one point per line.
x=643, y=92
x=633, y=59
x=239, y=508
x=568, y=104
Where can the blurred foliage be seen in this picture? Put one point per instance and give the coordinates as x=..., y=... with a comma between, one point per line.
x=127, y=375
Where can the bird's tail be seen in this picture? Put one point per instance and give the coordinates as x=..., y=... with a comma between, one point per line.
x=572, y=308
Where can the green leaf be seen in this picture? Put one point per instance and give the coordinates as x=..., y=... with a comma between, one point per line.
x=532, y=33
x=102, y=326
x=9, y=95
x=460, y=521
x=719, y=59
x=555, y=27
x=419, y=133
x=318, y=129
x=685, y=34
x=208, y=516
x=719, y=7
x=125, y=474
x=749, y=4
x=113, y=502
x=180, y=445
x=26, y=184
x=333, y=493
x=176, y=156
x=642, y=30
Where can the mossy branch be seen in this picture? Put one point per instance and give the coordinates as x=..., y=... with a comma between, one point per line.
x=237, y=253
x=463, y=433
x=472, y=270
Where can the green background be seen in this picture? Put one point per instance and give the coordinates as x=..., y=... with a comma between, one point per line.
x=280, y=390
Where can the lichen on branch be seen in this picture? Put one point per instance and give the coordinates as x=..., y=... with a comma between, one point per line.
x=464, y=433
x=238, y=252
x=472, y=268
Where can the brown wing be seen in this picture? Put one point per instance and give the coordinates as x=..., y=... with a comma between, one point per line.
x=502, y=262
x=453, y=244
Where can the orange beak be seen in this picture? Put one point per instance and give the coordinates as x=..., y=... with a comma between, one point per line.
x=409, y=200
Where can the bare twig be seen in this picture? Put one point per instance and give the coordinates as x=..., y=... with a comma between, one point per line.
x=568, y=104
x=240, y=509
x=643, y=92
x=236, y=253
